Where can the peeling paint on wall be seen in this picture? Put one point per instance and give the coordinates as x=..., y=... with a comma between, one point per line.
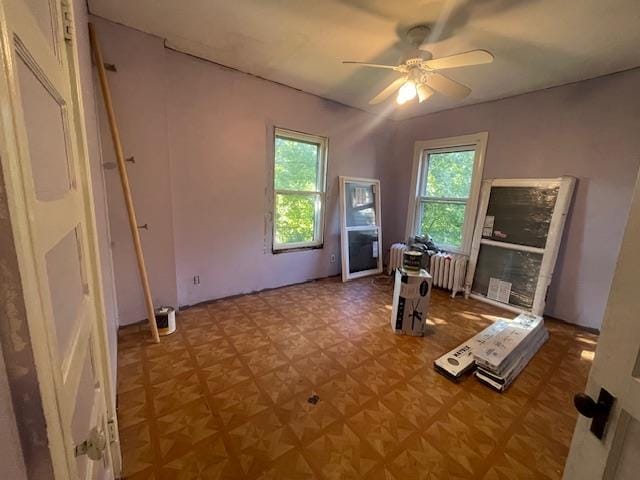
x=18, y=354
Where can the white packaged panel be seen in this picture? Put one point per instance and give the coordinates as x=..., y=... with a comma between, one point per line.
x=516, y=241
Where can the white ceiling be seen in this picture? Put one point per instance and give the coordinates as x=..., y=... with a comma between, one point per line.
x=301, y=43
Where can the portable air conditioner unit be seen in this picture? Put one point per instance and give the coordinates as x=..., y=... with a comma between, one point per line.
x=448, y=271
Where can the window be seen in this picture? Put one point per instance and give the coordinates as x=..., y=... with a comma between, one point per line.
x=299, y=178
x=446, y=184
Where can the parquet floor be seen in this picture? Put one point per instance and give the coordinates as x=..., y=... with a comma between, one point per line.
x=226, y=396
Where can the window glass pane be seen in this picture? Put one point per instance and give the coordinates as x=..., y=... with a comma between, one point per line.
x=520, y=215
x=443, y=221
x=363, y=250
x=296, y=165
x=449, y=174
x=360, y=204
x=518, y=269
x=295, y=218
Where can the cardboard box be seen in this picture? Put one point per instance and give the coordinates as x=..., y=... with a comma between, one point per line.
x=502, y=382
x=456, y=362
x=509, y=344
x=411, y=295
x=499, y=340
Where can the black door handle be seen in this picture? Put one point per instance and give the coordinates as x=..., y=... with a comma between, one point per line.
x=585, y=405
x=598, y=411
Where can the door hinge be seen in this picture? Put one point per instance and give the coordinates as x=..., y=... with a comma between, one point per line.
x=111, y=431
x=67, y=21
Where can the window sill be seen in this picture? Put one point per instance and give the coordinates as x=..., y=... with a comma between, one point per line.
x=448, y=249
x=296, y=249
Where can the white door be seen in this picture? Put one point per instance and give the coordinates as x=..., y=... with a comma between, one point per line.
x=46, y=171
x=616, y=369
x=361, y=232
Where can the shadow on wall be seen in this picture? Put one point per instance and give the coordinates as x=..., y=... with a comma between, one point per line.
x=445, y=17
x=569, y=242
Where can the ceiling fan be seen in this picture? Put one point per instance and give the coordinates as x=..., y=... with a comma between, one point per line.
x=420, y=77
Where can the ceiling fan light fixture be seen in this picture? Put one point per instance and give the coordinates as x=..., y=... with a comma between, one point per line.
x=421, y=76
x=407, y=92
x=424, y=92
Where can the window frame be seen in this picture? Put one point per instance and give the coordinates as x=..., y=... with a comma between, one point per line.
x=322, y=143
x=477, y=142
x=344, y=229
x=566, y=186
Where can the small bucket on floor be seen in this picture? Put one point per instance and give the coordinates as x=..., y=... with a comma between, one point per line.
x=165, y=320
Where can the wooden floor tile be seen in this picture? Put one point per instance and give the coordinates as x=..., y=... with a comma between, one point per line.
x=308, y=382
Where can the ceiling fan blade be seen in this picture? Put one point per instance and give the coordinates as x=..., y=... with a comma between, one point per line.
x=374, y=65
x=424, y=92
x=384, y=94
x=445, y=85
x=474, y=57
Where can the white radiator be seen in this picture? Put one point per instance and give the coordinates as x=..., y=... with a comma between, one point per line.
x=395, y=257
x=448, y=271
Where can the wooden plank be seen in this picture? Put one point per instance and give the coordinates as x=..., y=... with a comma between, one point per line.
x=124, y=181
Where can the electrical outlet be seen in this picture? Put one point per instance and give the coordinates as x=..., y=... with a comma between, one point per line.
x=196, y=280
x=332, y=258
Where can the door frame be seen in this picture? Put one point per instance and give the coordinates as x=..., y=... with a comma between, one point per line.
x=23, y=212
x=344, y=238
x=615, y=367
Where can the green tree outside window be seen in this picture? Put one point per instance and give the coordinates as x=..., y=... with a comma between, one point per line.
x=444, y=195
x=298, y=184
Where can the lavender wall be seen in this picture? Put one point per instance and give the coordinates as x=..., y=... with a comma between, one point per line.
x=200, y=135
x=588, y=130
x=220, y=126
x=138, y=90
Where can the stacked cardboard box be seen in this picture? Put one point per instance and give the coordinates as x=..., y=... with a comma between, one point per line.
x=501, y=359
x=411, y=295
x=498, y=353
x=455, y=363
